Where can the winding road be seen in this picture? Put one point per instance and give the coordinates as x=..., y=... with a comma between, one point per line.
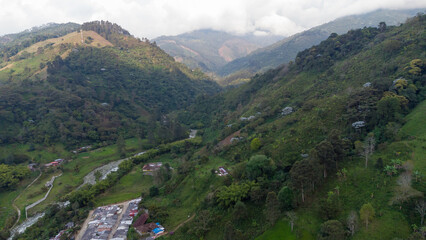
x=14, y=200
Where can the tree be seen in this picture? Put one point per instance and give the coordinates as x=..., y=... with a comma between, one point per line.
x=98, y=175
x=325, y=154
x=201, y=223
x=352, y=222
x=153, y=191
x=285, y=197
x=257, y=194
x=302, y=175
x=255, y=144
x=332, y=230
x=382, y=26
x=338, y=146
x=226, y=196
x=272, y=211
x=258, y=166
x=291, y=218
x=368, y=148
x=240, y=211
x=367, y=213
x=379, y=164
x=421, y=209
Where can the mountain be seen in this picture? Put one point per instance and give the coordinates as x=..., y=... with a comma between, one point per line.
x=331, y=146
x=286, y=50
x=91, y=86
x=209, y=50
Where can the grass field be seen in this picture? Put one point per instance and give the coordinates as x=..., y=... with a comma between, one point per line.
x=280, y=231
x=87, y=161
x=129, y=187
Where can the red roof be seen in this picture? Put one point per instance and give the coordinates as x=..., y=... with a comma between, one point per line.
x=141, y=220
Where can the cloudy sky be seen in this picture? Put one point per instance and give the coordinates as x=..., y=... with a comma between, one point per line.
x=152, y=18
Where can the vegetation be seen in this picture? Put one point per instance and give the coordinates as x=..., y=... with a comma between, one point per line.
x=331, y=146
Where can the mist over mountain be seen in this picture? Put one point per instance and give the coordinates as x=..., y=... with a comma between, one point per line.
x=209, y=50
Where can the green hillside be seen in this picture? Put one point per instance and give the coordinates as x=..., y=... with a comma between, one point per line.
x=330, y=146
x=90, y=87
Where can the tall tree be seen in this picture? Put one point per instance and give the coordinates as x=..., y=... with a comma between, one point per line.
x=367, y=213
x=368, y=148
x=272, y=211
x=301, y=175
x=352, y=222
x=285, y=196
x=325, y=154
x=421, y=209
x=291, y=218
x=338, y=146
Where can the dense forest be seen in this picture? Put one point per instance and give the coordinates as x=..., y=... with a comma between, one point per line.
x=96, y=94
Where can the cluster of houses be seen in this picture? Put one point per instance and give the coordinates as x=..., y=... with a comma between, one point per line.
x=221, y=172
x=143, y=228
x=103, y=220
x=126, y=220
x=82, y=149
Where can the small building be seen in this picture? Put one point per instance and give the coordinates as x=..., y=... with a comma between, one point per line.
x=32, y=166
x=146, y=228
x=222, y=171
x=141, y=220
x=149, y=167
x=59, y=160
x=69, y=225
x=286, y=111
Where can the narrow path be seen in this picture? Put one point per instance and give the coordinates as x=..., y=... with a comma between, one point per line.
x=14, y=200
x=44, y=198
x=183, y=223
x=117, y=223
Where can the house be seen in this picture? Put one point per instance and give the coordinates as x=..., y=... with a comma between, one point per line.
x=286, y=111
x=152, y=167
x=69, y=225
x=146, y=228
x=59, y=160
x=222, y=171
x=32, y=166
x=133, y=212
x=141, y=220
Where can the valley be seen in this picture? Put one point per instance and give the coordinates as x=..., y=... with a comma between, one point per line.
x=104, y=135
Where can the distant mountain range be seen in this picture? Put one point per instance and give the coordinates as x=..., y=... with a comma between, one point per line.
x=209, y=50
x=286, y=50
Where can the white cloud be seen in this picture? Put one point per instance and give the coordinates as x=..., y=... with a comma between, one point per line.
x=151, y=18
